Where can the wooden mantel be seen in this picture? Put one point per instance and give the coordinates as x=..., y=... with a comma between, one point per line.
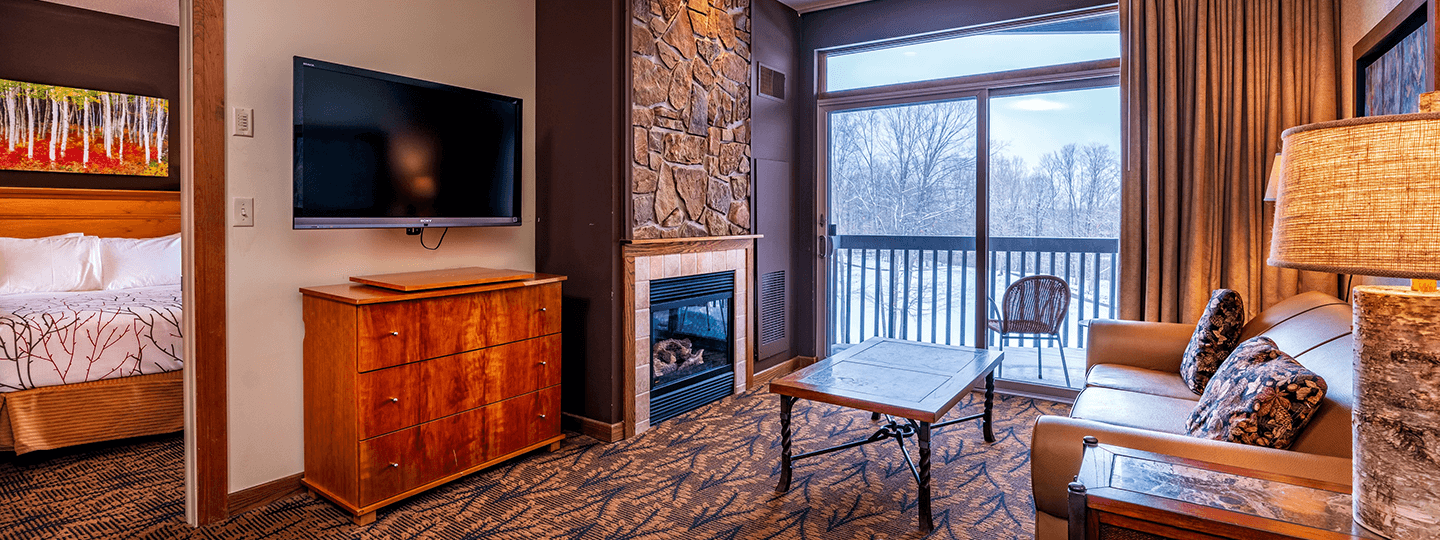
x=694, y=244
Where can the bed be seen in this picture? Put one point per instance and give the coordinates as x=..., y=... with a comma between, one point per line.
x=89, y=366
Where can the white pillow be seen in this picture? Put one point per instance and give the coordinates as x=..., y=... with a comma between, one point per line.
x=69, y=262
x=140, y=262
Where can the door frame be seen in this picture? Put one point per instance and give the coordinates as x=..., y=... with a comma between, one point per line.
x=203, y=219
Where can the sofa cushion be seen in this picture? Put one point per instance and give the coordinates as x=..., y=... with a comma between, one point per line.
x=1216, y=334
x=1145, y=381
x=1260, y=396
x=1133, y=409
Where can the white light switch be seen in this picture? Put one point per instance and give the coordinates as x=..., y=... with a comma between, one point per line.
x=244, y=122
x=244, y=212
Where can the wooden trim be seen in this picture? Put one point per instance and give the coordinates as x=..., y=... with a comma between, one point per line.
x=691, y=240
x=627, y=344
x=1129, y=523
x=780, y=370
x=691, y=245
x=595, y=429
x=207, y=228
x=254, y=497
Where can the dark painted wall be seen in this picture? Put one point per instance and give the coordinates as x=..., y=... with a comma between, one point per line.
x=60, y=45
x=776, y=31
x=860, y=23
x=582, y=119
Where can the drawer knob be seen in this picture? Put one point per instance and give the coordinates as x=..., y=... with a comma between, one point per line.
x=394, y=400
x=542, y=309
x=395, y=333
x=542, y=416
x=542, y=362
x=394, y=465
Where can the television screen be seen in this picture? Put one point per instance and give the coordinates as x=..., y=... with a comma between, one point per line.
x=380, y=150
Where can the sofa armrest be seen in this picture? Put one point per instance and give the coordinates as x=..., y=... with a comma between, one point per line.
x=1149, y=345
x=1056, y=448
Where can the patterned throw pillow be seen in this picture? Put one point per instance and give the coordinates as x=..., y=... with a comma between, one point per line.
x=1260, y=396
x=1216, y=334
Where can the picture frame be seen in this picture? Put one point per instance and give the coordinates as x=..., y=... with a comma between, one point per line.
x=1396, y=61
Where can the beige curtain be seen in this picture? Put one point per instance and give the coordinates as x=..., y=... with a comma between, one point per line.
x=1208, y=86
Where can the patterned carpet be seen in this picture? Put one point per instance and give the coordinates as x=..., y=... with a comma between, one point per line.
x=708, y=474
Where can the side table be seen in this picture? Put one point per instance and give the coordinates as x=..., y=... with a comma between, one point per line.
x=1125, y=494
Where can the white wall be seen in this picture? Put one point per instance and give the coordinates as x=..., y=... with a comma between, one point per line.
x=481, y=44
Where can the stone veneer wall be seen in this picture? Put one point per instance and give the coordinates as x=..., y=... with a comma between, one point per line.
x=691, y=116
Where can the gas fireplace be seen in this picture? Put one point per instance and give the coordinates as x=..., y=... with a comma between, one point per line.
x=691, y=362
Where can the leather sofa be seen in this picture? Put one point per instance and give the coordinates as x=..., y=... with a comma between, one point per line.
x=1134, y=398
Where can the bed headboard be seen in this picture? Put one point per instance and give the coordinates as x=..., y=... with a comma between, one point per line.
x=37, y=212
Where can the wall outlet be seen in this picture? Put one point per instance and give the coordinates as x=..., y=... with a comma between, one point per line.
x=244, y=212
x=244, y=122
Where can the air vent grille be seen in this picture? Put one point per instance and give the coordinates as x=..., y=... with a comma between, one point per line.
x=772, y=307
x=772, y=83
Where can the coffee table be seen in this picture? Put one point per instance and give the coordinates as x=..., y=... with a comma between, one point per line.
x=918, y=382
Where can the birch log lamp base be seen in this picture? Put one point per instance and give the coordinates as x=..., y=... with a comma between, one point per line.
x=1362, y=196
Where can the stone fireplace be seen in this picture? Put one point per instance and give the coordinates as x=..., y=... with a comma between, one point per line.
x=683, y=338
x=690, y=202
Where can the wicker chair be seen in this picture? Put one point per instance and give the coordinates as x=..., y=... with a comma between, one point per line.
x=1034, y=307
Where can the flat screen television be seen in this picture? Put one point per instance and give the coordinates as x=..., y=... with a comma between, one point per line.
x=375, y=150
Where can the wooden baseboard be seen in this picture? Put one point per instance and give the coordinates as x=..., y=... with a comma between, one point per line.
x=782, y=369
x=601, y=431
x=254, y=497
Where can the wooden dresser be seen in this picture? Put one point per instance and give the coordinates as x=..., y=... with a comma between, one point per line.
x=408, y=390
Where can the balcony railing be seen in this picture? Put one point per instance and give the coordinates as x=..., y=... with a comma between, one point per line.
x=922, y=287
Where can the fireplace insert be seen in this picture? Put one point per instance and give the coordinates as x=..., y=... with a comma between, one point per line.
x=691, y=323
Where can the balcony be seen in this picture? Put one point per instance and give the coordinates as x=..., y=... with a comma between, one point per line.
x=923, y=288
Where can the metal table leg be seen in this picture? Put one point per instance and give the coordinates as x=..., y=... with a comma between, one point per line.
x=985, y=422
x=927, y=524
x=786, y=404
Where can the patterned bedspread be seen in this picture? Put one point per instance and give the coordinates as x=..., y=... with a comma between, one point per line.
x=49, y=339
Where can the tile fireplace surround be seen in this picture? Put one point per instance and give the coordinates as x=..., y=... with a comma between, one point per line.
x=672, y=258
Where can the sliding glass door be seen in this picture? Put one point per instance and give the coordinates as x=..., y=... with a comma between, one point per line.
x=953, y=168
x=901, y=231
x=1054, y=175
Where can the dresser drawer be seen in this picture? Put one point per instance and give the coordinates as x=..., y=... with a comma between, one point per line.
x=521, y=367
x=407, y=459
x=387, y=335
x=516, y=314
x=522, y=421
x=402, y=396
x=400, y=332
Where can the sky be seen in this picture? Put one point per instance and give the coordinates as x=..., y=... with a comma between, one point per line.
x=1029, y=125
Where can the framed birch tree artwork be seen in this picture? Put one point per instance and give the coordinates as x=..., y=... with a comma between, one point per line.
x=60, y=129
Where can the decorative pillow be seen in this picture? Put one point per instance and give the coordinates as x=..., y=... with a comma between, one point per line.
x=68, y=262
x=1260, y=396
x=1216, y=334
x=140, y=262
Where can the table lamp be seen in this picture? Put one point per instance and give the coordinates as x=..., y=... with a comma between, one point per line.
x=1362, y=196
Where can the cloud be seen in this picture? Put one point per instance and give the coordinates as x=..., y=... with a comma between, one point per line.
x=1038, y=104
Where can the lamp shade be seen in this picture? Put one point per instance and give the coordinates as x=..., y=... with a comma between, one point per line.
x=1272, y=185
x=1360, y=196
